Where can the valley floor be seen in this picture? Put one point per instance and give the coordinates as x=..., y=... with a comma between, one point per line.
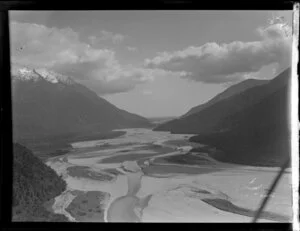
x=151, y=176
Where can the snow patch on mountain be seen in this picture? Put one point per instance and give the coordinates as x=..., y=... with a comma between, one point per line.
x=54, y=77
x=47, y=75
x=24, y=73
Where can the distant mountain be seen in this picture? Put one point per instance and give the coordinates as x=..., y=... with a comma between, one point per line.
x=233, y=90
x=251, y=127
x=160, y=120
x=34, y=184
x=47, y=104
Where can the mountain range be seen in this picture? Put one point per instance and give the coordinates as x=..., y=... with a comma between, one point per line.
x=249, y=122
x=47, y=104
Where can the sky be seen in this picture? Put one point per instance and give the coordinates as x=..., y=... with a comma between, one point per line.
x=154, y=63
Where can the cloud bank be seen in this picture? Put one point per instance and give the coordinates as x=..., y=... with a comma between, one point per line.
x=60, y=50
x=220, y=63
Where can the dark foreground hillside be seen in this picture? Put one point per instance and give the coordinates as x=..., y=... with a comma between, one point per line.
x=34, y=183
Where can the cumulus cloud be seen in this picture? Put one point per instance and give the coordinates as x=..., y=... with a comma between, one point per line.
x=60, y=50
x=110, y=78
x=217, y=63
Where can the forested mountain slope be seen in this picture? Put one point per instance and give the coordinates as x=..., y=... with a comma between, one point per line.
x=34, y=183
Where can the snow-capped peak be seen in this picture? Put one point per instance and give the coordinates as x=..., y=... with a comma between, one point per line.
x=25, y=73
